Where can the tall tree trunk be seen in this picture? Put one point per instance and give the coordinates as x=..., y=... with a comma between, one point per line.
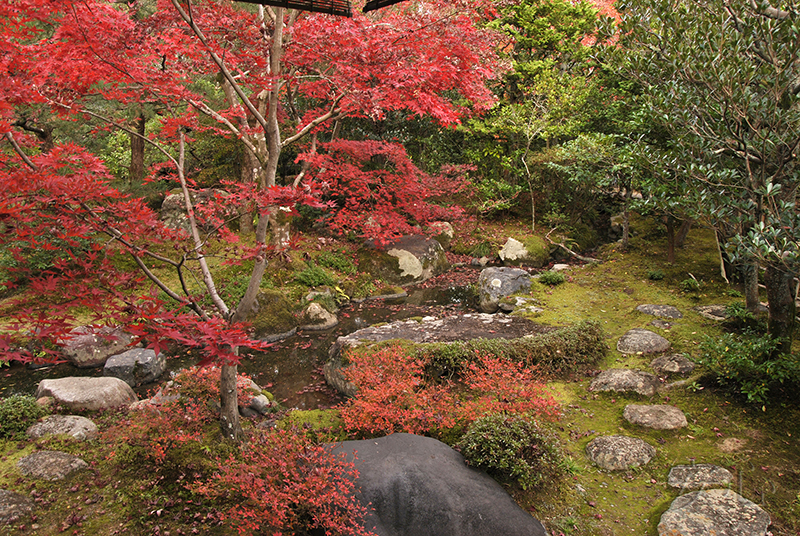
x=780, y=294
x=136, y=169
x=750, y=281
x=249, y=174
x=669, y=221
x=680, y=238
x=229, y=404
x=626, y=217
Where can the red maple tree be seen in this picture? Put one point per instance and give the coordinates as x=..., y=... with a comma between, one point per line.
x=268, y=78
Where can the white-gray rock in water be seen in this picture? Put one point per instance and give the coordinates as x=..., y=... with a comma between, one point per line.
x=617, y=453
x=718, y=512
x=136, y=366
x=699, y=476
x=638, y=340
x=76, y=426
x=657, y=417
x=624, y=380
x=50, y=465
x=91, y=346
x=317, y=318
x=494, y=284
x=87, y=394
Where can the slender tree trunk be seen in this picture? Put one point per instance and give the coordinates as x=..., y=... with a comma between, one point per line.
x=780, y=294
x=229, y=404
x=626, y=218
x=136, y=169
x=680, y=238
x=669, y=221
x=750, y=281
x=249, y=174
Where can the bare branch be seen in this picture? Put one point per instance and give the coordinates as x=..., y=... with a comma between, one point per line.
x=17, y=149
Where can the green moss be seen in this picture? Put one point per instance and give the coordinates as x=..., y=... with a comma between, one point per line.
x=275, y=314
x=322, y=425
x=538, y=250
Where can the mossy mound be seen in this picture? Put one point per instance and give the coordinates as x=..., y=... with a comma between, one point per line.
x=407, y=260
x=275, y=314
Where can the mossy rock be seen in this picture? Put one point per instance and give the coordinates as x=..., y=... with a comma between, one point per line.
x=404, y=261
x=530, y=251
x=274, y=314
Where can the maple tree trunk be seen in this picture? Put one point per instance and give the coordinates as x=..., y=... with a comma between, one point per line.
x=136, y=169
x=249, y=174
x=229, y=404
x=750, y=282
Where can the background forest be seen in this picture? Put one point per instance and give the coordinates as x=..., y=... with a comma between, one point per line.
x=280, y=128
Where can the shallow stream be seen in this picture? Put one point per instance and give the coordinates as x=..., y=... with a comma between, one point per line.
x=292, y=368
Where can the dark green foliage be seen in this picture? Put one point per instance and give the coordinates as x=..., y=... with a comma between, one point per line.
x=690, y=285
x=551, y=278
x=337, y=261
x=558, y=351
x=314, y=276
x=748, y=364
x=483, y=249
x=738, y=318
x=655, y=275
x=514, y=448
x=17, y=413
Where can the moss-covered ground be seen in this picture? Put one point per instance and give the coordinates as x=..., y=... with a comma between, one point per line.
x=759, y=445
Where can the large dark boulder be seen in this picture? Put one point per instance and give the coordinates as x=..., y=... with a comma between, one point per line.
x=418, y=485
x=496, y=283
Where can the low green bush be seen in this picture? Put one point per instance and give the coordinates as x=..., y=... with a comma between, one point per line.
x=513, y=448
x=558, y=351
x=336, y=261
x=655, y=275
x=17, y=413
x=747, y=364
x=314, y=276
x=551, y=278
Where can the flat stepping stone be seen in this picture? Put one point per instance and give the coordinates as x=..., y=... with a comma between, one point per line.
x=720, y=512
x=624, y=380
x=617, y=453
x=87, y=394
x=699, y=476
x=13, y=507
x=638, y=340
x=672, y=364
x=76, y=426
x=663, y=311
x=50, y=465
x=712, y=312
x=657, y=417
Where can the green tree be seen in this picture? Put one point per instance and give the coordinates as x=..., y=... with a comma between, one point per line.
x=723, y=81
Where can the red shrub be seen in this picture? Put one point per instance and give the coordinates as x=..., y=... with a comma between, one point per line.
x=393, y=397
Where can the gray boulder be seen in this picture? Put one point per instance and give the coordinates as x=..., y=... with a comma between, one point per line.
x=92, y=394
x=657, y=417
x=663, y=311
x=712, y=312
x=13, y=507
x=136, y=366
x=404, y=261
x=418, y=485
x=50, y=465
x=699, y=476
x=624, y=380
x=91, y=346
x=617, y=453
x=720, y=512
x=76, y=426
x=672, y=364
x=442, y=232
x=496, y=283
x=643, y=341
